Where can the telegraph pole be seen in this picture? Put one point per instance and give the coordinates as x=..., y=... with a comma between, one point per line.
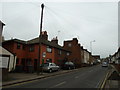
x=40, y=35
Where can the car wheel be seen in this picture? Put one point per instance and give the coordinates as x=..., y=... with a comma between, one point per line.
x=69, y=68
x=50, y=70
x=74, y=68
x=58, y=69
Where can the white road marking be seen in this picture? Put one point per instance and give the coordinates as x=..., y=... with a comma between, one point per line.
x=76, y=77
x=90, y=71
x=59, y=84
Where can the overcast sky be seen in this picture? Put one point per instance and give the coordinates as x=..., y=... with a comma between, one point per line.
x=86, y=21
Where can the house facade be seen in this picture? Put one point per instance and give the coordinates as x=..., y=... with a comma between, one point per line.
x=75, y=48
x=82, y=55
x=115, y=58
x=27, y=52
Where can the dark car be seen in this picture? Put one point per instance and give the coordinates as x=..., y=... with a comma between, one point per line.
x=68, y=65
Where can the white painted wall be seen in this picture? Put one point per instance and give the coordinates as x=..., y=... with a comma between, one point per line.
x=12, y=62
x=86, y=57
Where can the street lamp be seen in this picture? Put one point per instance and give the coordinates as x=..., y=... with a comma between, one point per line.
x=40, y=35
x=91, y=45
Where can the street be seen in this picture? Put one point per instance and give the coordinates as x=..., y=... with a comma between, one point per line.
x=82, y=78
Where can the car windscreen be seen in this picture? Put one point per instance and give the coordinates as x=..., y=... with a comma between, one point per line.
x=46, y=64
x=104, y=62
x=70, y=63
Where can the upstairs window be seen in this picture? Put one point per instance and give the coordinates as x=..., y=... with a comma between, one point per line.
x=49, y=49
x=31, y=49
x=59, y=52
x=23, y=47
x=48, y=60
x=18, y=45
x=68, y=53
x=69, y=45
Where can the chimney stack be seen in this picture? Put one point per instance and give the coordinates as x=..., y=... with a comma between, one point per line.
x=55, y=40
x=44, y=35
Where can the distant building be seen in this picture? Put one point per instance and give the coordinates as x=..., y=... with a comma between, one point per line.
x=96, y=56
x=96, y=59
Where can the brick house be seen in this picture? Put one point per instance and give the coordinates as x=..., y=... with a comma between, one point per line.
x=27, y=51
x=96, y=58
x=75, y=48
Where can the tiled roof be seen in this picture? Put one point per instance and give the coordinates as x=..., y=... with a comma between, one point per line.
x=36, y=41
x=16, y=40
x=46, y=42
x=2, y=22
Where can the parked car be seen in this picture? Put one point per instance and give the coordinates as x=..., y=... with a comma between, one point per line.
x=68, y=65
x=104, y=64
x=50, y=67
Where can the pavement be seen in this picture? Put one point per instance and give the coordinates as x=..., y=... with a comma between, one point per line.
x=15, y=78
x=112, y=79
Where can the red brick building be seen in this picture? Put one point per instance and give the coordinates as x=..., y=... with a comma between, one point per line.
x=27, y=51
x=75, y=48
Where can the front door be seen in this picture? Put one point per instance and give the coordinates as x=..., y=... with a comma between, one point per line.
x=23, y=64
x=35, y=64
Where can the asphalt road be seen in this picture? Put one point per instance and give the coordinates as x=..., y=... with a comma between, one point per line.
x=82, y=78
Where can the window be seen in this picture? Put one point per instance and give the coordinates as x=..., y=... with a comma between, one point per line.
x=69, y=45
x=18, y=46
x=23, y=47
x=49, y=49
x=68, y=53
x=59, y=52
x=48, y=60
x=53, y=64
x=29, y=62
x=17, y=61
x=46, y=64
x=31, y=49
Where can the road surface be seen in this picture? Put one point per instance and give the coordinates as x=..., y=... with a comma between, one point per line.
x=82, y=78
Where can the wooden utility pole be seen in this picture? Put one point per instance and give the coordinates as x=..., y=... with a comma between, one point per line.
x=40, y=36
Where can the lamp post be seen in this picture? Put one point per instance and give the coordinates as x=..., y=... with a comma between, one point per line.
x=40, y=35
x=91, y=45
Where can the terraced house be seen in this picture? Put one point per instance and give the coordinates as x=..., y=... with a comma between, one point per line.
x=75, y=48
x=27, y=52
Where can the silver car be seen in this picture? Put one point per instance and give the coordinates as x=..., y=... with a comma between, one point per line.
x=104, y=64
x=50, y=67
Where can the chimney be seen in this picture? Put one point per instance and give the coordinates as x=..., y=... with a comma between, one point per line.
x=75, y=41
x=44, y=35
x=81, y=47
x=55, y=40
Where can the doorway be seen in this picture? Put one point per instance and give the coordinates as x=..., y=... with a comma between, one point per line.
x=35, y=65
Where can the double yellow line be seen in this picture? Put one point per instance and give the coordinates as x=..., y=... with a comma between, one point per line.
x=104, y=81
x=102, y=84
